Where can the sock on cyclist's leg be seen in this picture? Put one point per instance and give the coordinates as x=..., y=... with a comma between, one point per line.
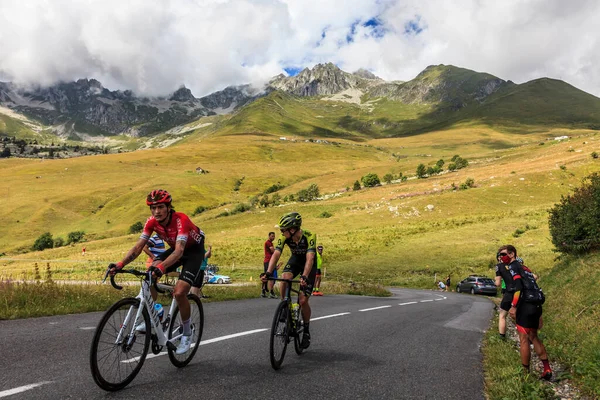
x=187, y=327
x=306, y=327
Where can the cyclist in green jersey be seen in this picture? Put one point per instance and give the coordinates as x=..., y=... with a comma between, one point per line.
x=303, y=246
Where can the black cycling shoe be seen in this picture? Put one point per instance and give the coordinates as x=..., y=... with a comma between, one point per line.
x=305, y=340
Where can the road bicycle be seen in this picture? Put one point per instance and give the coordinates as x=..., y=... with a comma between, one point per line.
x=132, y=326
x=287, y=325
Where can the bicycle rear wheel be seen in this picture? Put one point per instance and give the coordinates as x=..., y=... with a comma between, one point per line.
x=298, y=334
x=176, y=329
x=280, y=331
x=116, y=361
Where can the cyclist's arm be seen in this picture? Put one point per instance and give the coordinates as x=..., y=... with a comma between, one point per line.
x=135, y=251
x=273, y=261
x=498, y=281
x=518, y=285
x=310, y=260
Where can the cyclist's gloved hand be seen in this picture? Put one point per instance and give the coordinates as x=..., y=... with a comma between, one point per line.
x=114, y=267
x=158, y=270
x=265, y=276
x=303, y=280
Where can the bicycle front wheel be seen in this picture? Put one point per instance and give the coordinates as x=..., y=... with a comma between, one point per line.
x=117, y=354
x=280, y=331
x=176, y=329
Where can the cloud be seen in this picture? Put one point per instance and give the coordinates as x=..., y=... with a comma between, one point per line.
x=154, y=47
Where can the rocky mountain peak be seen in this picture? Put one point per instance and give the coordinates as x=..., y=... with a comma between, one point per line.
x=182, y=94
x=363, y=73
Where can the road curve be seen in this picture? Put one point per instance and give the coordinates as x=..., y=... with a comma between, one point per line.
x=414, y=345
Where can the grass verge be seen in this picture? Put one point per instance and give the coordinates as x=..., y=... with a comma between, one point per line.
x=26, y=300
x=504, y=377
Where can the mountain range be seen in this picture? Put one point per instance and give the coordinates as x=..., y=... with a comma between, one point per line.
x=439, y=96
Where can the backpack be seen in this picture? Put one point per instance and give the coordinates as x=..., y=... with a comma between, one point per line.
x=532, y=293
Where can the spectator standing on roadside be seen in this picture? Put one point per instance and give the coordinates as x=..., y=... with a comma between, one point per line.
x=197, y=287
x=503, y=279
x=154, y=248
x=269, y=249
x=316, y=289
x=448, y=282
x=526, y=310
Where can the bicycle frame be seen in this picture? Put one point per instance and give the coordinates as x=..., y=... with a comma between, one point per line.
x=147, y=302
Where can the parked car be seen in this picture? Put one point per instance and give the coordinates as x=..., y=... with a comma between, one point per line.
x=212, y=277
x=477, y=285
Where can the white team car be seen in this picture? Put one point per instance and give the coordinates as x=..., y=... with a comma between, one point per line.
x=211, y=277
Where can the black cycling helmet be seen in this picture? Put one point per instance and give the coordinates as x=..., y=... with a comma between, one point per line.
x=290, y=220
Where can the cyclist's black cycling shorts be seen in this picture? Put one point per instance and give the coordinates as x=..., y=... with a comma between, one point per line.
x=528, y=315
x=190, y=261
x=295, y=265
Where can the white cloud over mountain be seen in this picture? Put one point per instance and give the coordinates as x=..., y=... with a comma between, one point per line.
x=154, y=47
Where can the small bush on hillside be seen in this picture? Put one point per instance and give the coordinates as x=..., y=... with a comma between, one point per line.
x=274, y=188
x=440, y=164
x=75, y=237
x=59, y=242
x=309, y=194
x=325, y=214
x=575, y=221
x=594, y=154
x=469, y=183
x=238, y=184
x=199, y=210
x=421, y=171
x=563, y=167
x=136, y=227
x=356, y=185
x=240, y=208
x=44, y=241
x=370, y=180
x=388, y=178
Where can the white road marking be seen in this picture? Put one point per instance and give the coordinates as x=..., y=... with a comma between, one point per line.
x=202, y=343
x=87, y=328
x=425, y=301
x=329, y=316
x=405, y=304
x=375, y=308
x=21, y=389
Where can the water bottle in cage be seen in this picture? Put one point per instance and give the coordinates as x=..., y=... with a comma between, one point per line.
x=295, y=312
x=160, y=311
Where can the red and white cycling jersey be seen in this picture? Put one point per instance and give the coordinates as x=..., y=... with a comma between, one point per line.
x=180, y=227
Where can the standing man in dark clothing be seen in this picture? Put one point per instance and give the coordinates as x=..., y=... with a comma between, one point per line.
x=527, y=314
x=269, y=249
x=503, y=276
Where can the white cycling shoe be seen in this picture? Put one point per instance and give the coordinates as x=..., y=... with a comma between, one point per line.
x=184, y=345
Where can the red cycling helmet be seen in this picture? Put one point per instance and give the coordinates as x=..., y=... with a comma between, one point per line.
x=158, y=196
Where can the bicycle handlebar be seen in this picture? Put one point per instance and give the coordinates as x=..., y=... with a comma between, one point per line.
x=135, y=272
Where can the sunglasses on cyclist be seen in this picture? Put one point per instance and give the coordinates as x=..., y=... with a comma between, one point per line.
x=502, y=254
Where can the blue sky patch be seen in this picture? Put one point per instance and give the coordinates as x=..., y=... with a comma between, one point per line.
x=414, y=26
x=292, y=71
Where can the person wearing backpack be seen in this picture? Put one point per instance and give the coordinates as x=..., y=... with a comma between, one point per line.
x=526, y=309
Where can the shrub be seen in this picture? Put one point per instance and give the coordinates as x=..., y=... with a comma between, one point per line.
x=76, y=236
x=388, y=178
x=421, y=171
x=199, y=210
x=238, y=184
x=59, y=242
x=575, y=221
x=44, y=241
x=370, y=180
x=594, y=154
x=136, y=227
x=356, y=185
x=325, y=214
x=308, y=194
x=439, y=164
x=274, y=188
x=240, y=208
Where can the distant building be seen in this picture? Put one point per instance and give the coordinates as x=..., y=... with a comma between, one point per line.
x=561, y=138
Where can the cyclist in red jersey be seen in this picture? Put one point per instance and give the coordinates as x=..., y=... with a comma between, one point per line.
x=186, y=243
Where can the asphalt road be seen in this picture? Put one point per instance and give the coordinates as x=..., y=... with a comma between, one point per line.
x=414, y=345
